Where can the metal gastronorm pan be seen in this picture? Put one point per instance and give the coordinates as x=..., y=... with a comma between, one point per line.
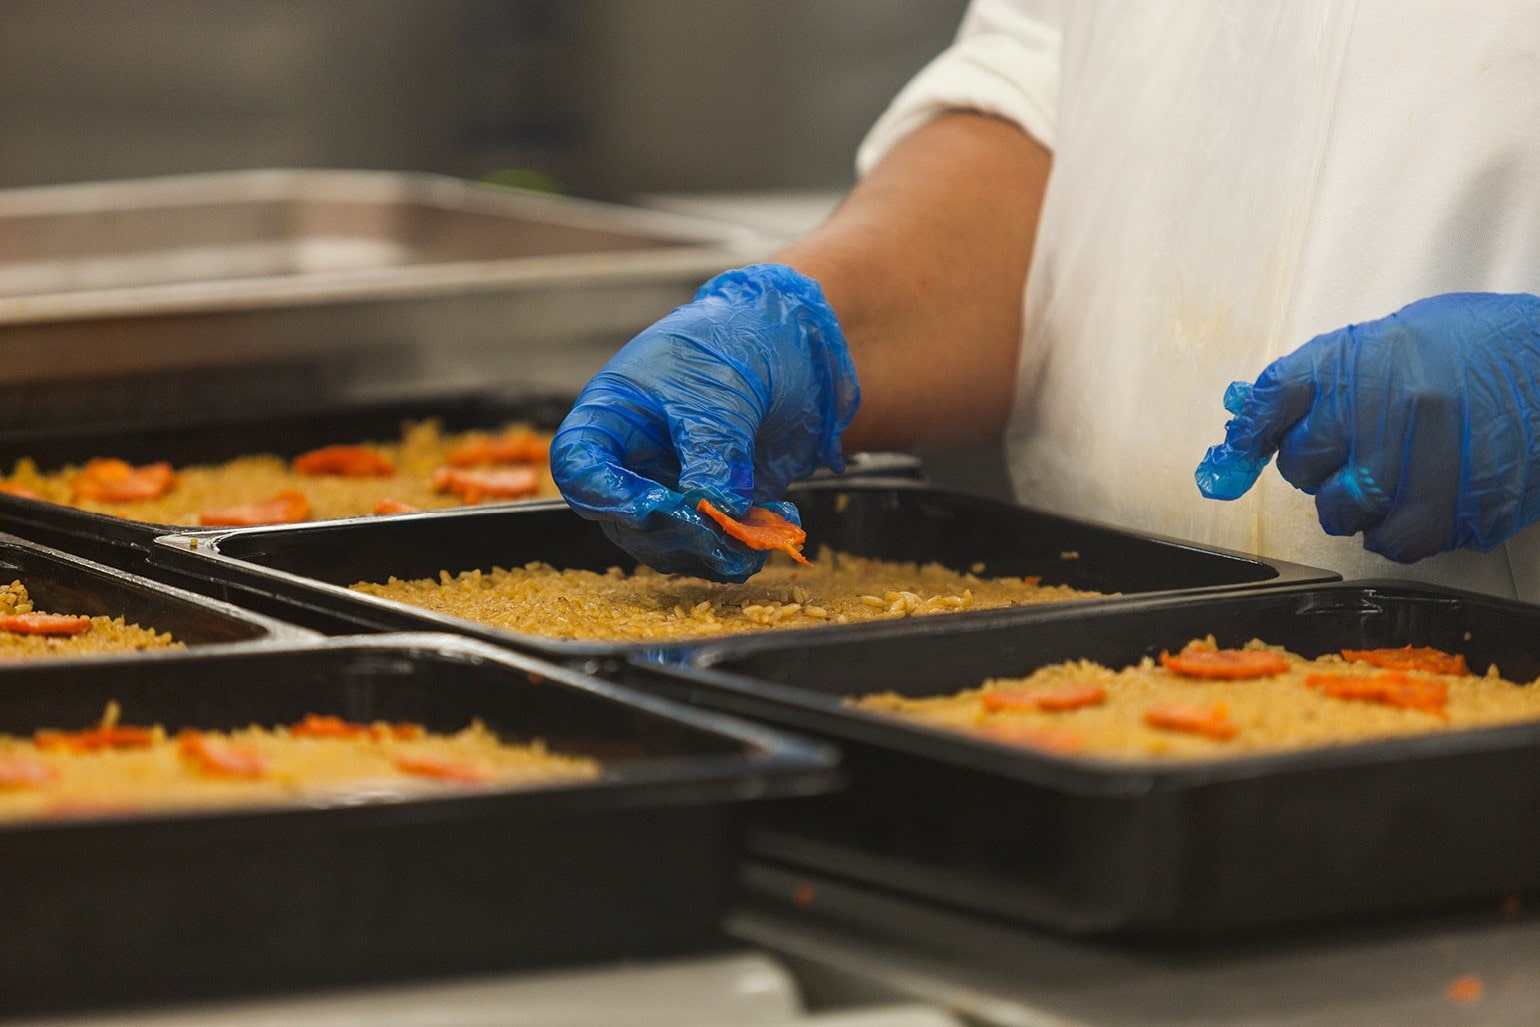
x=121, y=541
x=304, y=570
x=133, y=277
x=61, y=583
x=1156, y=848
x=179, y=905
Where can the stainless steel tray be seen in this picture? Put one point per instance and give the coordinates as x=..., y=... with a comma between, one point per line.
x=137, y=276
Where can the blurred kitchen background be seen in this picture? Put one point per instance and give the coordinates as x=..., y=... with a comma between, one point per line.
x=609, y=98
x=741, y=111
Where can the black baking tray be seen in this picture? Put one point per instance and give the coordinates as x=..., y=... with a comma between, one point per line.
x=1101, y=847
x=62, y=583
x=121, y=541
x=303, y=570
x=139, y=908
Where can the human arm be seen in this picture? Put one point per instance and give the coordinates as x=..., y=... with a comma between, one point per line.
x=752, y=386
x=1421, y=429
x=925, y=264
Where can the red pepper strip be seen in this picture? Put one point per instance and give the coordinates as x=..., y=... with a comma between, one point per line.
x=118, y=481
x=1391, y=688
x=1407, y=658
x=105, y=736
x=44, y=623
x=395, y=506
x=347, y=461
x=215, y=756
x=285, y=507
x=761, y=528
x=1224, y=664
x=20, y=490
x=1069, y=698
x=473, y=485
x=1049, y=739
x=21, y=772
x=316, y=725
x=441, y=768
x=1209, y=721
x=518, y=448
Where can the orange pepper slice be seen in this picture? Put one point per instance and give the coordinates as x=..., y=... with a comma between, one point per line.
x=1409, y=658
x=475, y=484
x=521, y=447
x=1391, y=688
x=347, y=461
x=1209, y=721
x=44, y=623
x=440, y=767
x=317, y=725
x=225, y=759
x=117, y=481
x=22, y=772
x=1224, y=664
x=395, y=506
x=285, y=507
x=1071, y=697
x=103, y=736
x=1058, y=741
x=20, y=490
x=761, y=528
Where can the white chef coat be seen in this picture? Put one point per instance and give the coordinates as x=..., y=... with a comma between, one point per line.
x=1229, y=180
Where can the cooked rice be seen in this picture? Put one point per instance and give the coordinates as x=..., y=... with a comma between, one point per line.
x=299, y=769
x=105, y=635
x=1272, y=713
x=422, y=448
x=645, y=605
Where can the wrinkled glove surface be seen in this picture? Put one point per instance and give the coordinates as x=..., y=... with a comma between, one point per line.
x=729, y=398
x=1421, y=430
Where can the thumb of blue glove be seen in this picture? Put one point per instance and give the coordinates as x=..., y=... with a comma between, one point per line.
x=730, y=398
x=1422, y=429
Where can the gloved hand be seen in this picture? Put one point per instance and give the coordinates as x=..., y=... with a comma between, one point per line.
x=1422, y=429
x=730, y=398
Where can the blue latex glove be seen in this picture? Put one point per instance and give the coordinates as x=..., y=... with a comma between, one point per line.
x=1421, y=430
x=730, y=398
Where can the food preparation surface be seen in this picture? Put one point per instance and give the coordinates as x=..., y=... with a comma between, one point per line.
x=1468, y=967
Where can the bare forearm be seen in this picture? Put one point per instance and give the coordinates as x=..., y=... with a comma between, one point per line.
x=925, y=264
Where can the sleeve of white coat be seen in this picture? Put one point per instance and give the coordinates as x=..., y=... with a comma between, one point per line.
x=1004, y=62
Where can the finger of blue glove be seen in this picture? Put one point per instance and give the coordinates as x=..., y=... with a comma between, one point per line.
x=1350, y=501
x=1263, y=413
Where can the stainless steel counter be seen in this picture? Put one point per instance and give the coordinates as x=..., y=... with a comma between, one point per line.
x=195, y=289
x=1402, y=971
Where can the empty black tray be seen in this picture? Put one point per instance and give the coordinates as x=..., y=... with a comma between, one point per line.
x=180, y=905
x=61, y=583
x=303, y=570
x=1146, y=848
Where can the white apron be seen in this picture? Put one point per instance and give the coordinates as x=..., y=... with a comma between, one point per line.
x=1231, y=179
